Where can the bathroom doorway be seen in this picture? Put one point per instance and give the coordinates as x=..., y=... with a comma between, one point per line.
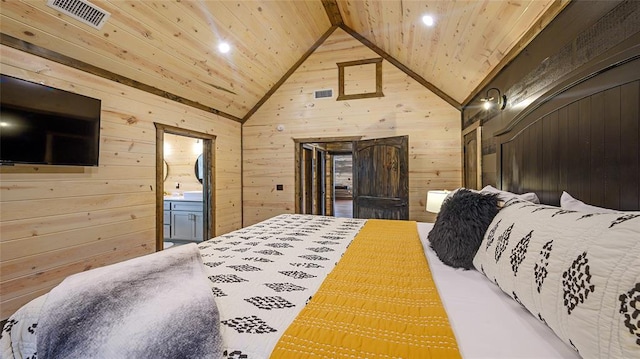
x=185, y=186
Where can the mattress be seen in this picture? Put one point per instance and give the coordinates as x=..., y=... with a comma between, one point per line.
x=486, y=322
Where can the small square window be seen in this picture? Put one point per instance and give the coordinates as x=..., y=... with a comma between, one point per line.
x=360, y=79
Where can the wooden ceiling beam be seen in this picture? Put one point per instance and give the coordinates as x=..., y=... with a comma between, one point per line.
x=293, y=69
x=333, y=12
x=32, y=49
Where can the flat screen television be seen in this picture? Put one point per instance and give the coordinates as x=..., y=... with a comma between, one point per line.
x=43, y=125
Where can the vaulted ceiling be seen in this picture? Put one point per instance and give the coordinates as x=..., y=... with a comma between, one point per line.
x=171, y=47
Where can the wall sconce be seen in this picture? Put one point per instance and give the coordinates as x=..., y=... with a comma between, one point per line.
x=434, y=200
x=500, y=100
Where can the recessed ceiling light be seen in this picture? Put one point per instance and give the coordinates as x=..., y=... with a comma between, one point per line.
x=428, y=20
x=224, y=47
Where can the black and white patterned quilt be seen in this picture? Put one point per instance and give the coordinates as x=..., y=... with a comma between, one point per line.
x=261, y=277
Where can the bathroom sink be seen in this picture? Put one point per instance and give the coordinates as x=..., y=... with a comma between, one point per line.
x=192, y=195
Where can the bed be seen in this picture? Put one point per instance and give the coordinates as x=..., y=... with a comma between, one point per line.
x=246, y=294
x=501, y=329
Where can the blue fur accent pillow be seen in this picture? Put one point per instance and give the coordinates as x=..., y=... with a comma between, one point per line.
x=461, y=224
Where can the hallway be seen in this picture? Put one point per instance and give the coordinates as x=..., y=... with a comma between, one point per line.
x=343, y=208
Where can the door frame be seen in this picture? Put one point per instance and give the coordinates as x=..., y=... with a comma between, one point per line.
x=306, y=179
x=472, y=155
x=299, y=144
x=208, y=179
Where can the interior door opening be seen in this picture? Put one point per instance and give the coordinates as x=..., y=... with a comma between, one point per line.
x=184, y=186
x=353, y=178
x=323, y=178
x=343, y=185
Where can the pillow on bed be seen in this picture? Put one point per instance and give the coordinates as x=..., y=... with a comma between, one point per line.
x=460, y=225
x=577, y=272
x=506, y=196
x=570, y=203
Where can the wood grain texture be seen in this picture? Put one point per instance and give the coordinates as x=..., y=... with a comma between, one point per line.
x=381, y=178
x=469, y=39
x=408, y=108
x=56, y=221
x=170, y=47
x=582, y=139
x=582, y=34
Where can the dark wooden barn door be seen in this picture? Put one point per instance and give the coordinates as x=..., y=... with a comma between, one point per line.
x=381, y=181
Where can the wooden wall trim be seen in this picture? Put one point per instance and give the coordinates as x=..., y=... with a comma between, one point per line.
x=32, y=49
x=402, y=67
x=333, y=12
x=327, y=139
x=159, y=185
x=378, y=92
x=630, y=54
x=476, y=126
x=293, y=69
x=209, y=187
x=299, y=145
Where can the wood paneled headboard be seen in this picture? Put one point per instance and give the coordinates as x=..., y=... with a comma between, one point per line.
x=582, y=137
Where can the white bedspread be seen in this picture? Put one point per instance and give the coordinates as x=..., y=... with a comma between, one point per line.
x=264, y=274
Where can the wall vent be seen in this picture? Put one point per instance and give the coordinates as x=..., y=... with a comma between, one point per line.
x=323, y=93
x=81, y=10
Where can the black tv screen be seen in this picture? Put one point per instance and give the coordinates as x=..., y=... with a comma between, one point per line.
x=43, y=125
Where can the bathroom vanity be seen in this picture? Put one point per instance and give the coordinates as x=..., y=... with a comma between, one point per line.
x=183, y=218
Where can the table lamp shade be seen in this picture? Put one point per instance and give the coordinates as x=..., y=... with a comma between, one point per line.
x=435, y=199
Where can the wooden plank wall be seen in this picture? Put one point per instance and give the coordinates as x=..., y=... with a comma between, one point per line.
x=585, y=32
x=407, y=108
x=56, y=221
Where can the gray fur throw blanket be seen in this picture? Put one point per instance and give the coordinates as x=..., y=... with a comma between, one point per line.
x=156, y=306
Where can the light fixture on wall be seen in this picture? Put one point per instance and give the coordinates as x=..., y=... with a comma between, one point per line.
x=434, y=200
x=499, y=99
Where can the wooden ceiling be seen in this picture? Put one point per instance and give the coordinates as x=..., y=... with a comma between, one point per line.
x=170, y=47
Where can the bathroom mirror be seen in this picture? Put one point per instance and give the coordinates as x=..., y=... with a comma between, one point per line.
x=165, y=170
x=198, y=170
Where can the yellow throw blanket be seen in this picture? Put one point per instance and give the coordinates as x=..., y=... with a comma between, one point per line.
x=380, y=301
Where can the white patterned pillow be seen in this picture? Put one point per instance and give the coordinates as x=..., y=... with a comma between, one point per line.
x=568, y=202
x=577, y=272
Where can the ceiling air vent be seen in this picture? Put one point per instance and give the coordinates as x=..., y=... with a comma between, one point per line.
x=81, y=10
x=323, y=93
